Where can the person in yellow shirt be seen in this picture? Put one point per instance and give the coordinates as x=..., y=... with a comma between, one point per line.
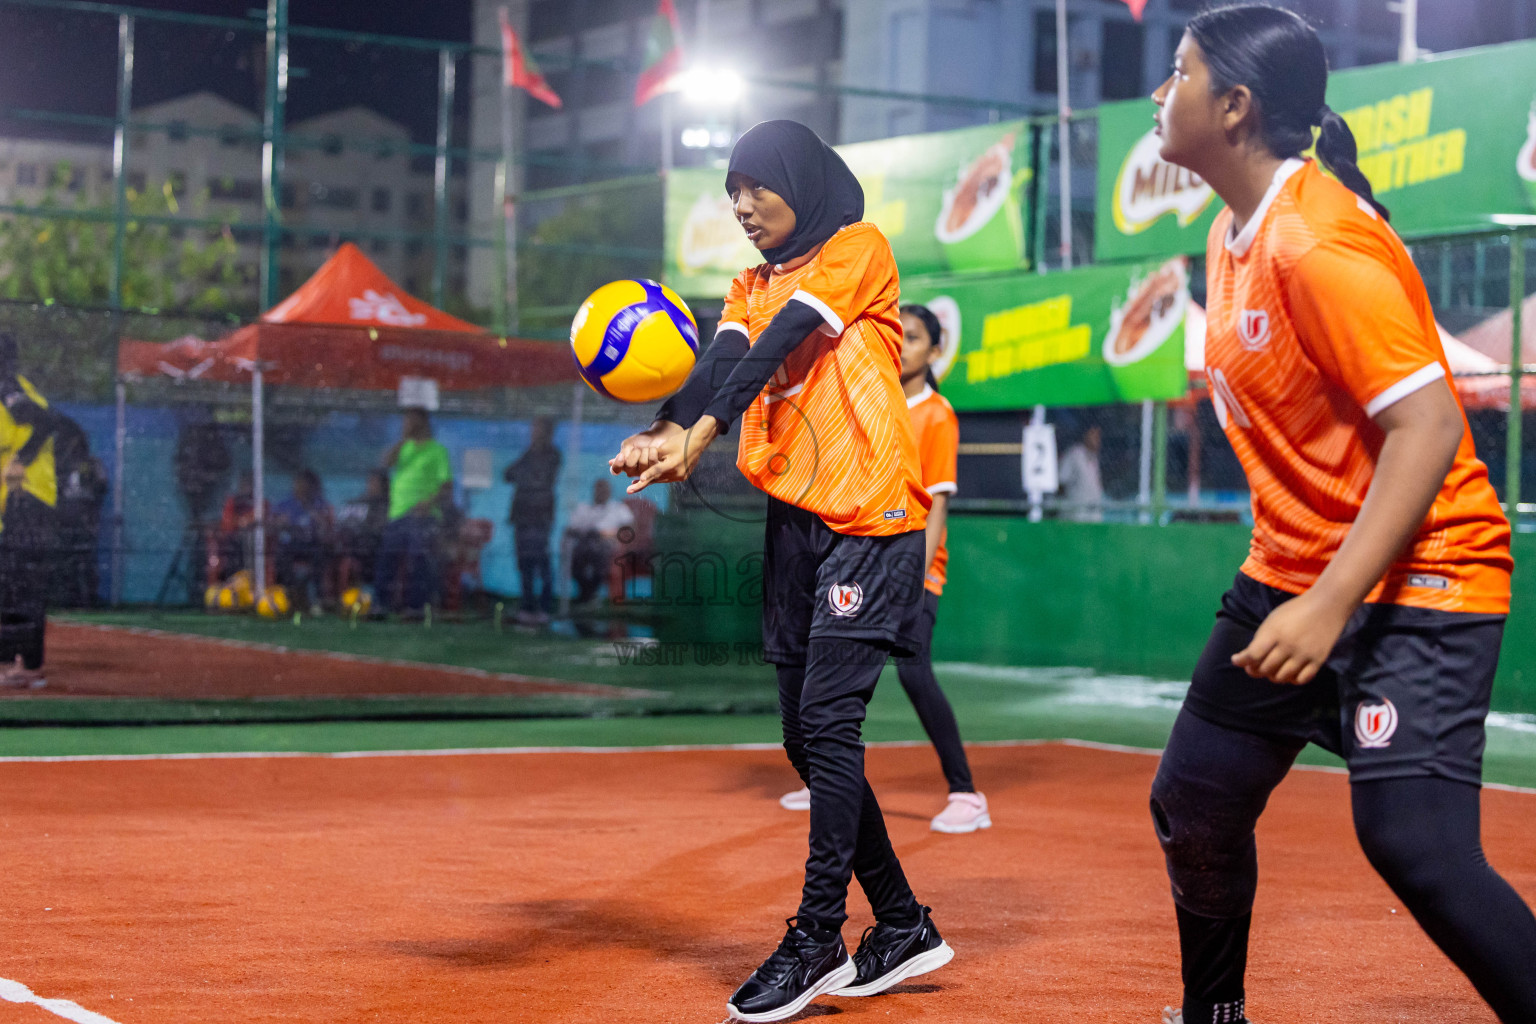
x=28, y=496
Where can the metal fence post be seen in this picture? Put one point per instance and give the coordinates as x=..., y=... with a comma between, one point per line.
x=120, y=156
x=445, y=87
x=1513, y=428
x=272, y=149
x=1159, y=460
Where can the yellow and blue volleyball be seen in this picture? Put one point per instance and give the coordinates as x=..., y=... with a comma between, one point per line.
x=635, y=341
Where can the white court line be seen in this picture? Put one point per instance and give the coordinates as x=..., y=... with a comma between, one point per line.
x=16, y=992
x=666, y=748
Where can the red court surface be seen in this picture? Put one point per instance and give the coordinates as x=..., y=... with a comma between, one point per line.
x=643, y=886
x=110, y=661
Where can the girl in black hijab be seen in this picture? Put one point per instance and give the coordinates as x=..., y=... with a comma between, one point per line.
x=807, y=357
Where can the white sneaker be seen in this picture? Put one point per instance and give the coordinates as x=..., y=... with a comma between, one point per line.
x=799, y=800
x=967, y=812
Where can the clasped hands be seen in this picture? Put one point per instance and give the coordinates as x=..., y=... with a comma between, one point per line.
x=663, y=454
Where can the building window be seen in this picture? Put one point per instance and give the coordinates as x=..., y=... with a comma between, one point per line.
x=1045, y=53
x=380, y=201
x=379, y=247
x=137, y=181
x=413, y=250
x=1122, y=64
x=26, y=174
x=229, y=135
x=320, y=242
x=460, y=210
x=289, y=197
x=177, y=131
x=177, y=180
x=332, y=145
x=417, y=204
x=238, y=190
x=334, y=198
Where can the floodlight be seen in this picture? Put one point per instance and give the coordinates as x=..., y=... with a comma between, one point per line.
x=713, y=87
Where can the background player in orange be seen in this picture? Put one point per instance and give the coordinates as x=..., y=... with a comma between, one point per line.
x=807, y=357
x=938, y=446
x=1368, y=615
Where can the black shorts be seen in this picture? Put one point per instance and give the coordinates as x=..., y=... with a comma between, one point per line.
x=820, y=583
x=1404, y=693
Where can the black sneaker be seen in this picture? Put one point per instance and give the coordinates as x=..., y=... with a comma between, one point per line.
x=888, y=956
x=798, y=971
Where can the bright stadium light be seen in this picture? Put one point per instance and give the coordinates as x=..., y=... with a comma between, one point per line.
x=695, y=138
x=711, y=87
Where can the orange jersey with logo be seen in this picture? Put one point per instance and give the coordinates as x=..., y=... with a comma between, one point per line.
x=1317, y=321
x=938, y=448
x=830, y=431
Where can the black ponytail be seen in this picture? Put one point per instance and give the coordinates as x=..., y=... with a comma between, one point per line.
x=1279, y=57
x=935, y=335
x=1337, y=150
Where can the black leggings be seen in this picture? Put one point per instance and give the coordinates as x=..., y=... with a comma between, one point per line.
x=933, y=710
x=823, y=704
x=1422, y=834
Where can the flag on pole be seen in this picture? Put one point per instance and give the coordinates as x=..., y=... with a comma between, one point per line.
x=663, y=55
x=521, y=71
x=1136, y=6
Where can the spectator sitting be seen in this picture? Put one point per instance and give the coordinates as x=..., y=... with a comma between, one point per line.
x=235, y=524
x=593, y=535
x=359, y=527
x=303, y=527
x=421, y=476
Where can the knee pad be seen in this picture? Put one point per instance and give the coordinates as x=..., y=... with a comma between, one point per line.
x=1208, y=844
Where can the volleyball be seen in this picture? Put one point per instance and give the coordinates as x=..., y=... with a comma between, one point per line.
x=243, y=587
x=357, y=600
x=211, y=598
x=227, y=600
x=634, y=341
x=274, y=603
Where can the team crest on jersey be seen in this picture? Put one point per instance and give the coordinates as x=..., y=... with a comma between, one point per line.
x=845, y=600
x=1375, y=723
x=1253, y=329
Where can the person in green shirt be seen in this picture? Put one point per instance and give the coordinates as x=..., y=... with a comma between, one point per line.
x=421, y=480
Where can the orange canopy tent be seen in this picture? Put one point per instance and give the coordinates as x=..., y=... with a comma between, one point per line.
x=349, y=326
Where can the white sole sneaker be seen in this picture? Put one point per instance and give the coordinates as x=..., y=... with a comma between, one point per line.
x=835, y=980
x=921, y=964
x=799, y=800
x=977, y=823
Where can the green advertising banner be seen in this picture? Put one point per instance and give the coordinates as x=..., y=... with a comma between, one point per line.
x=948, y=201
x=1448, y=145
x=1085, y=337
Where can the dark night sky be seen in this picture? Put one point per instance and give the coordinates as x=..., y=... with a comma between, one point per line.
x=68, y=62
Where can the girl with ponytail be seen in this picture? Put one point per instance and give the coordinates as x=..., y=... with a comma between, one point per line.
x=1368, y=615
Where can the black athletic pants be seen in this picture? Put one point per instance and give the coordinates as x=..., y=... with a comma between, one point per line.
x=1402, y=699
x=933, y=710
x=27, y=542
x=823, y=704
x=835, y=606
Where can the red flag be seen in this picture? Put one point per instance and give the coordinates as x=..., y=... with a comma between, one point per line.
x=1136, y=6
x=521, y=71
x=663, y=55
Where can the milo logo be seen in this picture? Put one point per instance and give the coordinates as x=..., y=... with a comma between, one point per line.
x=1525, y=163
x=1149, y=187
x=712, y=239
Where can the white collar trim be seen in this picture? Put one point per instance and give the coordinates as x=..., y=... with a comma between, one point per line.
x=1240, y=244
x=921, y=397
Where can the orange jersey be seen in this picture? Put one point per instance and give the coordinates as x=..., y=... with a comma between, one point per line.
x=830, y=431
x=1317, y=321
x=938, y=448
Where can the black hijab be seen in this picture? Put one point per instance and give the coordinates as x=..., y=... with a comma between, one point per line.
x=793, y=161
